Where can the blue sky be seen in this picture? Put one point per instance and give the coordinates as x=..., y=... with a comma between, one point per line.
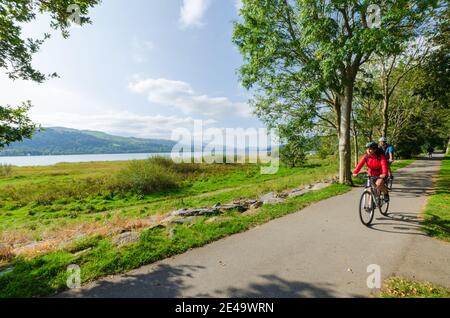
x=143, y=68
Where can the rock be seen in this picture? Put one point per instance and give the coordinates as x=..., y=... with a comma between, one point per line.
x=256, y=205
x=227, y=207
x=182, y=221
x=297, y=192
x=195, y=211
x=319, y=186
x=171, y=233
x=270, y=198
x=82, y=251
x=125, y=238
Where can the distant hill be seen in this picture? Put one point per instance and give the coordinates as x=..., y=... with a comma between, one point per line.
x=65, y=141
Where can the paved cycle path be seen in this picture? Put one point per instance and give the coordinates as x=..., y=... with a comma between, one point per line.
x=320, y=251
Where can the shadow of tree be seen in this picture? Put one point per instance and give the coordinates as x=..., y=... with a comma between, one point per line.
x=276, y=287
x=164, y=281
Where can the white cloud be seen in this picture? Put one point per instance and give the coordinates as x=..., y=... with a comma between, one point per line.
x=192, y=13
x=140, y=50
x=121, y=123
x=181, y=96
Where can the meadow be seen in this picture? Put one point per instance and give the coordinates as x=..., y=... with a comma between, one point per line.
x=85, y=204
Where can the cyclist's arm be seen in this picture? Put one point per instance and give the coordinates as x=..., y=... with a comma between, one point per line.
x=384, y=166
x=360, y=165
x=391, y=154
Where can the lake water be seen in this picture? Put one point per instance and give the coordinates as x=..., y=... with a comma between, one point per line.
x=25, y=161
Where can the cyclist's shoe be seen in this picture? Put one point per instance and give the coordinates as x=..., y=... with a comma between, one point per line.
x=386, y=198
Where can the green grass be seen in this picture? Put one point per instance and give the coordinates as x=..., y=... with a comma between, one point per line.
x=47, y=274
x=437, y=211
x=202, y=185
x=36, y=202
x=403, y=288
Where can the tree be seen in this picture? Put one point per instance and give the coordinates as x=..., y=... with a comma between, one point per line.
x=16, y=52
x=303, y=57
x=15, y=124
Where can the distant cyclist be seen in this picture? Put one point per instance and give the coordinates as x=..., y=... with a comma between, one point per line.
x=377, y=166
x=430, y=151
x=388, y=152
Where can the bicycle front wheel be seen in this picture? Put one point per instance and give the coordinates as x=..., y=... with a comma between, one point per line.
x=366, y=208
x=389, y=183
x=384, y=206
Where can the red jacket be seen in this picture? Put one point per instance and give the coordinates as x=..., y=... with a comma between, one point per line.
x=375, y=167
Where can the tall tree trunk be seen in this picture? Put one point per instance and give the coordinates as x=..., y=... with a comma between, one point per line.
x=355, y=139
x=344, y=135
x=385, y=115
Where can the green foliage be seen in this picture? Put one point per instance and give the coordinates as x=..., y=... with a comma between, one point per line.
x=398, y=287
x=302, y=58
x=15, y=124
x=47, y=274
x=16, y=52
x=292, y=154
x=145, y=177
x=437, y=211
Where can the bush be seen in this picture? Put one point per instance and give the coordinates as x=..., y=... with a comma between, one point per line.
x=161, y=161
x=6, y=170
x=145, y=177
x=292, y=155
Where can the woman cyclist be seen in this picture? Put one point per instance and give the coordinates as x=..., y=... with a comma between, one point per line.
x=377, y=166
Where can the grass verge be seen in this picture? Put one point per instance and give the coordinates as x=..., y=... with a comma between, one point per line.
x=397, y=287
x=47, y=274
x=437, y=211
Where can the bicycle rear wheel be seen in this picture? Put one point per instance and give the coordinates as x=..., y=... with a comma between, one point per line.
x=366, y=208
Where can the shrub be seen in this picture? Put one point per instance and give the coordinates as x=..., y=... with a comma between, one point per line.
x=161, y=161
x=292, y=155
x=6, y=170
x=145, y=177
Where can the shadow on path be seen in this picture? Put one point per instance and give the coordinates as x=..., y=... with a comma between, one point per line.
x=173, y=282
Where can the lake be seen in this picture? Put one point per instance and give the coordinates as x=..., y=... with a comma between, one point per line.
x=23, y=161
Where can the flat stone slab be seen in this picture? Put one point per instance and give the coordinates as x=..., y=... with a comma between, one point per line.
x=125, y=238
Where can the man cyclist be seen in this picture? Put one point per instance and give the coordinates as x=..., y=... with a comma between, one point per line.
x=388, y=152
x=430, y=151
x=377, y=166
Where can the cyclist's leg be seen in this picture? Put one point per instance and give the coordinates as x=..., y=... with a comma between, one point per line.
x=381, y=185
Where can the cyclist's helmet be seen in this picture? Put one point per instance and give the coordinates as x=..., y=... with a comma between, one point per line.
x=372, y=145
x=383, y=139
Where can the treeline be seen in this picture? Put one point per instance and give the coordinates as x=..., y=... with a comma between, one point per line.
x=63, y=141
x=343, y=73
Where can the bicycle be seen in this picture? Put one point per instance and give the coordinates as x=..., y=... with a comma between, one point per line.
x=371, y=198
x=389, y=182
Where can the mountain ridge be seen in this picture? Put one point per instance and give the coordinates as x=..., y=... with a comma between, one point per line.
x=69, y=141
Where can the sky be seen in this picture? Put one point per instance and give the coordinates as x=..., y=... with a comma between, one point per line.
x=142, y=68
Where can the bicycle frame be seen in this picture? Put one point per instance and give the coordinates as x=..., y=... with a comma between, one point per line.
x=373, y=189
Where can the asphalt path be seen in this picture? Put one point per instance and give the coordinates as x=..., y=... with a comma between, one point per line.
x=320, y=251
